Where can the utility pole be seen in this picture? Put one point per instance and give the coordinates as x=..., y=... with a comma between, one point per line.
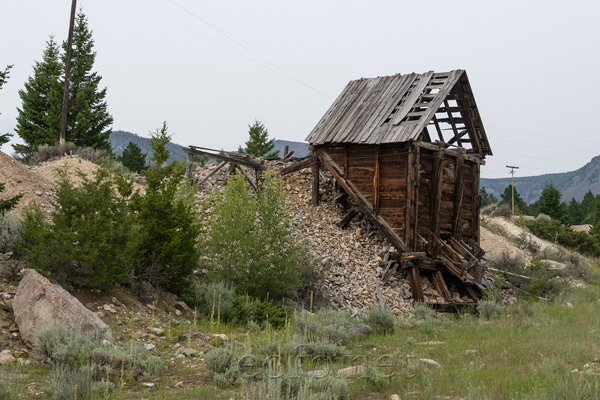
x=63, y=119
x=512, y=172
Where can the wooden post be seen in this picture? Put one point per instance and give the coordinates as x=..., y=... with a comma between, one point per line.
x=459, y=190
x=189, y=168
x=63, y=119
x=417, y=184
x=436, y=193
x=475, y=234
x=414, y=280
x=376, y=197
x=315, y=184
x=285, y=151
x=408, y=207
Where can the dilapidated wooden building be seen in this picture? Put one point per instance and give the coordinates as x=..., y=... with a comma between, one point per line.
x=407, y=150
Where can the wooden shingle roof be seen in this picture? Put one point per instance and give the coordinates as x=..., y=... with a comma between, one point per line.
x=402, y=108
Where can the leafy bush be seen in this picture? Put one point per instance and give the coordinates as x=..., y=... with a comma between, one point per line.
x=250, y=240
x=259, y=311
x=212, y=298
x=67, y=383
x=223, y=365
x=91, y=365
x=502, y=210
x=91, y=240
x=46, y=152
x=381, y=319
x=489, y=308
x=167, y=219
x=10, y=231
x=324, y=325
x=553, y=230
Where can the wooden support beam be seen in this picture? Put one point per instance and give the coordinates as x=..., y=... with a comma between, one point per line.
x=189, y=167
x=347, y=218
x=475, y=223
x=408, y=201
x=459, y=191
x=315, y=184
x=360, y=201
x=415, y=207
x=288, y=155
x=248, y=178
x=436, y=193
x=248, y=162
x=376, y=197
x=414, y=280
x=214, y=171
x=440, y=286
x=309, y=162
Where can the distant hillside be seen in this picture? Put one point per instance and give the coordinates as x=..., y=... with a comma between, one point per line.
x=120, y=139
x=571, y=184
x=300, y=149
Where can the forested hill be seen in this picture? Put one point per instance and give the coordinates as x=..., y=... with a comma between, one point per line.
x=574, y=184
x=120, y=139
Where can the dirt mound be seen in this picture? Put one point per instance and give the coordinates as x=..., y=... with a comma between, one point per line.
x=50, y=169
x=19, y=179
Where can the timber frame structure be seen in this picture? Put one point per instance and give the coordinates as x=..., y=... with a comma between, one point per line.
x=407, y=149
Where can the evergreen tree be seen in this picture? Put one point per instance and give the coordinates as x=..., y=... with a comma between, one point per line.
x=133, y=158
x=259, y=143
x=596, y=218
x=587, y=207
x=487, y=199
x=506, y=198
x=88, y=120
x=576, y=212
x=167, y=219
x=38, y=119
x=550, y=204
x=8, y=204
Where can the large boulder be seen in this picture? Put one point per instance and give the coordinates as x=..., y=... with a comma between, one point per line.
x=40, y=305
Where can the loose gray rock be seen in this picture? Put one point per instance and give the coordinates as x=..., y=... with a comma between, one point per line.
x=352, y=372
x=431, y=362
x=6, y=357
x=40, y=305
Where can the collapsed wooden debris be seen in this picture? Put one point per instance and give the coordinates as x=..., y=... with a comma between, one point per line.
x=421, y=194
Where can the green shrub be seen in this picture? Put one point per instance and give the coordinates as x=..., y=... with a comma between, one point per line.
x=12, y=384
x=502, y=210
x=46, y=152
x=212, y=299
x=259, y=311
x=68, y=383
x=10, y=231
x=324, y=325
x=250, y=240
x=489, y=308
x=552, y=230
x=381, y=319
x=167, y=219
x=66, y=349
x=91, y=240
x=223, y=365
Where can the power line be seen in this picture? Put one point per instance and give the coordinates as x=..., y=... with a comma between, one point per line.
x=543, y=145
x=233, y=38
x=286, y=75
x=546, y=136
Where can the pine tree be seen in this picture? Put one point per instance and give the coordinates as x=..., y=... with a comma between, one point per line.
x=550, y=204
x=8, y=204
x=133, y=158
x=587, y=207
x=38, y=119
x=88, y=120
x=259, y=143
x=506, y=198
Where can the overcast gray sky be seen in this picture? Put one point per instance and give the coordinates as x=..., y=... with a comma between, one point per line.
x=211, y=68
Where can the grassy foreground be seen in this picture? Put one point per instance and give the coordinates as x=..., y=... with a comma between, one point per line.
x=540, y=350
